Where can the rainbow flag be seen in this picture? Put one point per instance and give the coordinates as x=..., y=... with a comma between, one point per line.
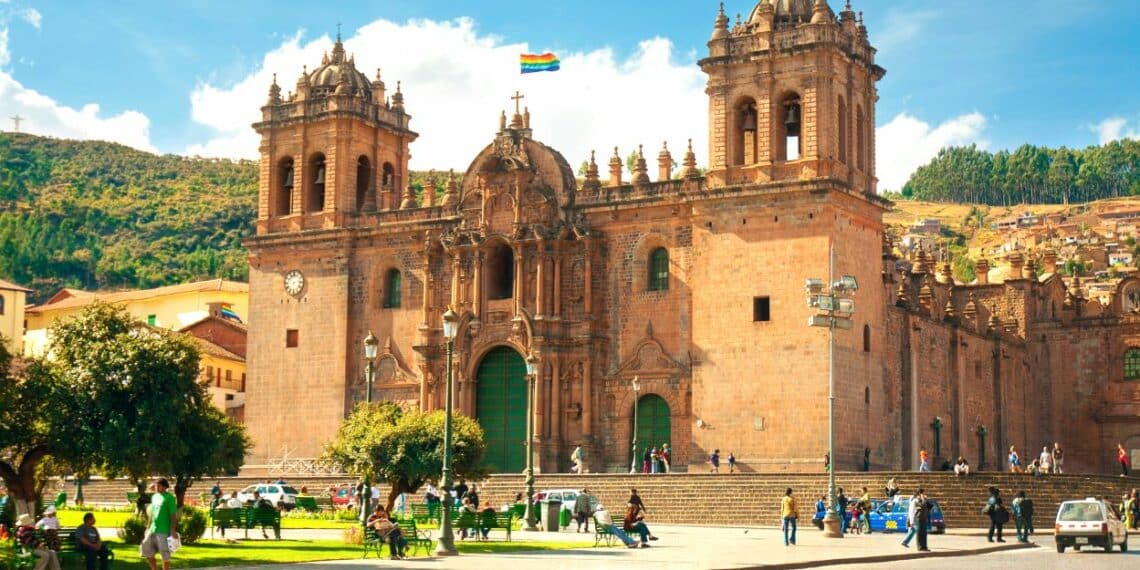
x=534, y=63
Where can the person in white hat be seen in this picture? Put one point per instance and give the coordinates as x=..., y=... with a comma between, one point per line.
x=603, y=519
x=26, y=536
x=49, y=524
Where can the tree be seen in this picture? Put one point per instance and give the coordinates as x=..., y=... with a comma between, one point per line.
x=33, y=424
x=631, y=162
x=405, y=448
x=211, y=445
x=145, y=411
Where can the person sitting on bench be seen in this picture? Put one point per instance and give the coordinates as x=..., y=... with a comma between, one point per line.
x=87, y=541
x=388, y=532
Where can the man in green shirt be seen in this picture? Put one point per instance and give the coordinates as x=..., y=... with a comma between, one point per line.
x=163, y=518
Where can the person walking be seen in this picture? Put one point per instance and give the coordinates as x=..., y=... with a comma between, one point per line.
x=714, y=461
x=579, y=461
x=1122, y=457
x=1019, y=517
x=997, y=513
x=731, y=463
x=912, y=530
x=1014, y=460
x=666, y=457
x=162, y=516
x=841, y=508
x=921, y=519
x=582, y=510
x=1045, y=460
x=865, y=506
x=788, y=514
x=923, y=461
x=1126, y=509
x=1058, y=458
x=635, y=499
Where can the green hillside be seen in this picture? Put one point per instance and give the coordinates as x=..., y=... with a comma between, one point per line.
x=98, y=215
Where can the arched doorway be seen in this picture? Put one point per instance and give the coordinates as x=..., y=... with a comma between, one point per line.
x=653, y=428
x=500, y=408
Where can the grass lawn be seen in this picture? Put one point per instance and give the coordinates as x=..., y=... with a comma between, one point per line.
x=114, y=519
x=246, y=553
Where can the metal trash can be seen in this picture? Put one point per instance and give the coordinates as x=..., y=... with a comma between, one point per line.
x=552, y=516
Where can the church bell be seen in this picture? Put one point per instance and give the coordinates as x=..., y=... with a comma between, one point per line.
x=792, y=123
x=288, y=179
x=749, y=122
x=320, y=175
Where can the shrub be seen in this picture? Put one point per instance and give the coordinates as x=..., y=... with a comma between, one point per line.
x=351, y=535
x=191, y=524
x=133, y=530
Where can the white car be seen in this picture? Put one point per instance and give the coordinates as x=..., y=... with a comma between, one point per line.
x=276, y=494
x=1090, y=522
x=567, y=496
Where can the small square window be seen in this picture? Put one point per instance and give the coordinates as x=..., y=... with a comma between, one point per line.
x=761, y=309
x=291, y=338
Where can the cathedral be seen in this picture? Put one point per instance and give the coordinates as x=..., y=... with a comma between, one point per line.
x=673, y=302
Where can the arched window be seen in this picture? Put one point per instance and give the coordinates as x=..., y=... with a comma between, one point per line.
x=1132, y=364
x=789, y=142
x=744, y=147
x=363, y=180
x=861, y=139
x=659, y=270
x=501, y=273
x=284, y=204
x=316, y=175
x=842, y=131
x=393, y=282
x=866, y=338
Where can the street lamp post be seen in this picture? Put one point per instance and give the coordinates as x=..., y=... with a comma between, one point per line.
x=370, y=345
x=636, y=385
x=532, y=377
x=835, y=308
x=446, y=545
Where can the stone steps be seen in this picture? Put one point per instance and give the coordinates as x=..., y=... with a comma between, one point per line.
x=740, y=499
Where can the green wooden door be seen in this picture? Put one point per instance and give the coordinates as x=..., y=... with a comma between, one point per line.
x=653, y=428
x=500, y=408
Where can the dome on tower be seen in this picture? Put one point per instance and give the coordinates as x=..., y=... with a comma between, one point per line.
x=789, y=11
x=326, y=77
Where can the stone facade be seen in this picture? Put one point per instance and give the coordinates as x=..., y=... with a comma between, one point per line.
x=693, y=286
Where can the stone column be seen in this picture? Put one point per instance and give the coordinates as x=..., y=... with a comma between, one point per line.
x=587, y=401
x=539, y=282
x=588, y=296
x=557, y=310
x=477, y=284
x=556, y=406
x=520, y=289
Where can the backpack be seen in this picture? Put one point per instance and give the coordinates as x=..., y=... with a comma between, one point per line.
x=1001, y=515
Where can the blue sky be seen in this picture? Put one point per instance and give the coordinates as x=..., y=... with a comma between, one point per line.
x=188, y=77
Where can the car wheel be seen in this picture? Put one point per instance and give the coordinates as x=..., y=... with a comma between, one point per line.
x=1124, y=545
x=1077, y=548
x=1060, y=548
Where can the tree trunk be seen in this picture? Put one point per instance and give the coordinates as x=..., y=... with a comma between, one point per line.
x=20, y=479
x=180, y=487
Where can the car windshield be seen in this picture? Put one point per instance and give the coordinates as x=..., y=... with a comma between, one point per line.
x=290, y=491
x=1080, y=512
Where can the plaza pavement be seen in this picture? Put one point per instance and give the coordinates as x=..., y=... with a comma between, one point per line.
x=690, y=547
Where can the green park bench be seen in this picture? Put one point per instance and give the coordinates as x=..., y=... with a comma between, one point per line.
x=486, y=521
x=418, y=539
x=246, y=518
x=603, y=535
x=324, y=503
x=306, y=502
x=69, y=551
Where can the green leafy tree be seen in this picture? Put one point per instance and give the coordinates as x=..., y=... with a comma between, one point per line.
x=405, y=448
x=33, y=428
x=146, y=413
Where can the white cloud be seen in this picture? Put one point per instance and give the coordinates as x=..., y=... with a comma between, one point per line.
x=33, y=17
x=902, y=26
x=906, y=142
x=456, y=81
x=44, y=116
x=1114, y=128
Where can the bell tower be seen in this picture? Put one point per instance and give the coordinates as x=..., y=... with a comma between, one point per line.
x=792, y=96
x=332, y=150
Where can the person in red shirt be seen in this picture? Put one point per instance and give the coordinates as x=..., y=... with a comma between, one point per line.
x=1122, y=456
